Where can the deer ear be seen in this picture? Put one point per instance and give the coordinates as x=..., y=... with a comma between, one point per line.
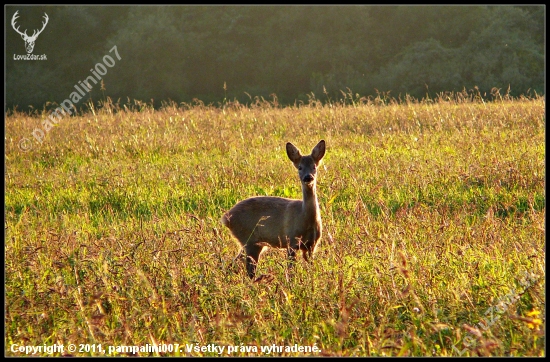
x=293, y=153
x=318, y=151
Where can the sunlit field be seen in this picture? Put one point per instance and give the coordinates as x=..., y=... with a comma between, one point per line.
x=433, y=230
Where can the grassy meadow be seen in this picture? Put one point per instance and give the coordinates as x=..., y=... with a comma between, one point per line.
x=433, y=230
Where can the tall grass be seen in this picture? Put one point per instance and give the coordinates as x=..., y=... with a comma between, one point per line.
x=433, y=212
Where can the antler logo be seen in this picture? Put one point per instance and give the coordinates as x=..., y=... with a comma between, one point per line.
x=29, y=40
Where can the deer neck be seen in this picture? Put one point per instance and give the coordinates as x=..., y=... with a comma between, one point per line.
x=310, y=205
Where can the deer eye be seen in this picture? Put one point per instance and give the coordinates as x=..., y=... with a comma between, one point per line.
x=300, y=168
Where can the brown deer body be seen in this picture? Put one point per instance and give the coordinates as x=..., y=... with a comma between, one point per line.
x=279, y=222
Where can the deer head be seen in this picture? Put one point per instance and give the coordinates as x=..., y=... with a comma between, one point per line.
x=29, y=40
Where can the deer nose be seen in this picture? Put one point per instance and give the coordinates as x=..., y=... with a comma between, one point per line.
x=308, y=178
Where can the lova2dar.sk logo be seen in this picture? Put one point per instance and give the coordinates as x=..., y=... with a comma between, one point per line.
x=29, y=40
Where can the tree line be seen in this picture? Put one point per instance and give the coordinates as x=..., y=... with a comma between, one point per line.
x=217, y=53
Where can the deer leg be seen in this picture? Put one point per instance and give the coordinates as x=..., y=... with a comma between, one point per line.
x=240, y=256
x=293, y=247
x=306, y=253
x=252, y=257
x=308, y=247
x=291, y=255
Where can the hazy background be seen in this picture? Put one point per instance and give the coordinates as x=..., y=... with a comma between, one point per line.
x=186, y=52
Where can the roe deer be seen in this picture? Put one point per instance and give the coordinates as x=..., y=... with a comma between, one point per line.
x=279, y=222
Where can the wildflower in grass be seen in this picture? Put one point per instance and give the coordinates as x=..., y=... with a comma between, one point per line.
x=532, y=320
x=535, y=322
